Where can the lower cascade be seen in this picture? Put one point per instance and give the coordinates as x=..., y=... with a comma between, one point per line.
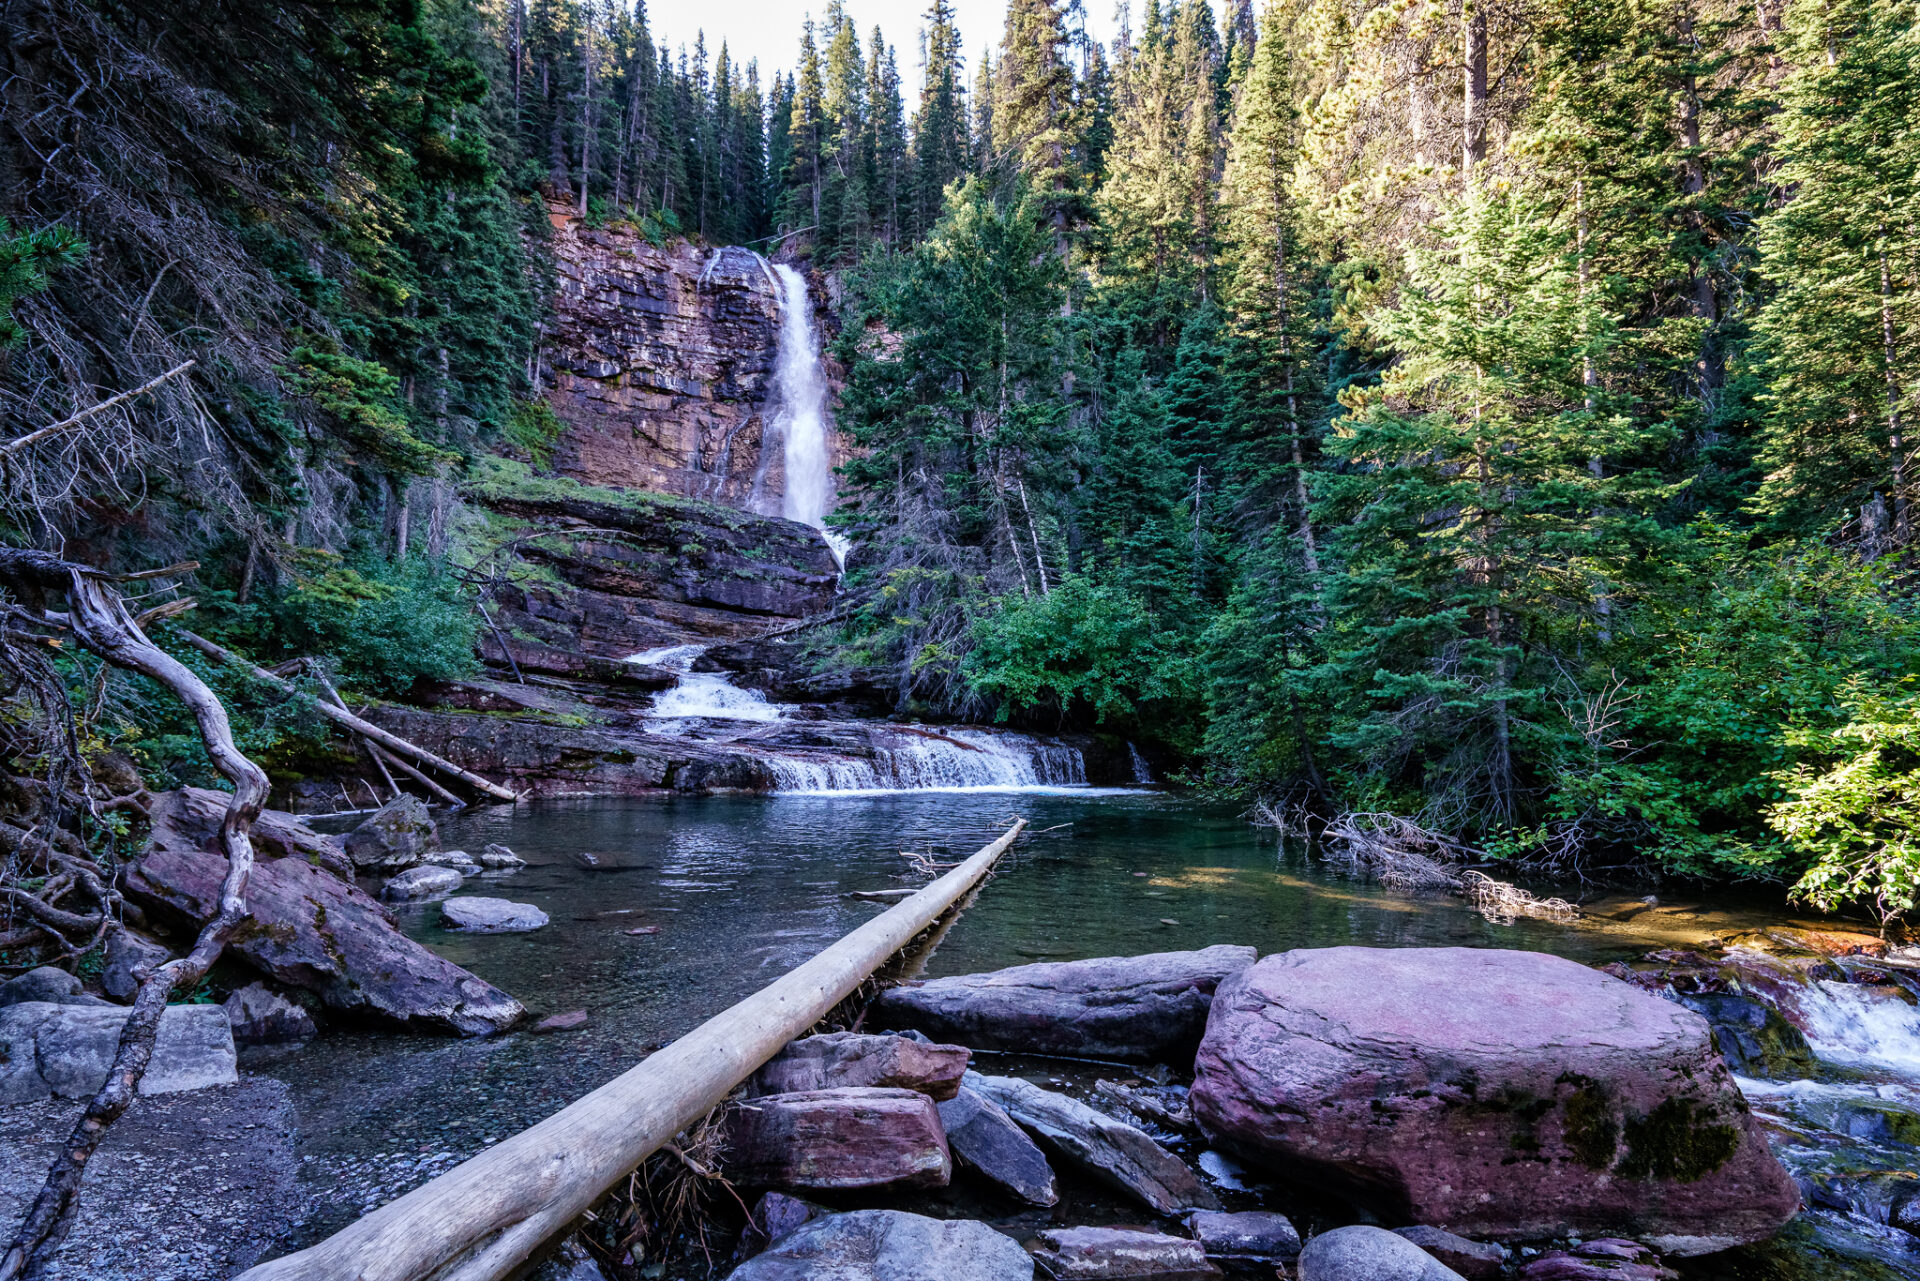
x=879, y=756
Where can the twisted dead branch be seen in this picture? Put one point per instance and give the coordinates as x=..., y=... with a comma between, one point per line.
x=98, y=619
x=1403, y=855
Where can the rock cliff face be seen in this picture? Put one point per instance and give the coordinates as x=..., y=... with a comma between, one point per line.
x=659, y=361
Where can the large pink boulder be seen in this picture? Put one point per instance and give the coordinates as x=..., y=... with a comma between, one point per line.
x=1511, y=1095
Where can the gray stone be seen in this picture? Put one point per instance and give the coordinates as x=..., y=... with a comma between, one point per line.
x=477, y=915
x=1112, y=1254
x=825, y=1139
x=1258, y=1235
x=48, y=985
x=1369, y=1254
x=837, y=1059
x=1475, y=1260
x=396, y=837
x=1118, y=1007
x=498, y=858
x=127, y=951
x=67, y=1050
x=310, y=929
x=775, y=1217
x=1111, y=1151
x=1608, y=1259
x=260, y=1017
x=984, y=1139
x=421, y=882
x=459, y=860
x=571, y=1261
x=890, y=1245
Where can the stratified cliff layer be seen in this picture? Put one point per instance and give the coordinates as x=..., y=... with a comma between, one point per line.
x=659, y=360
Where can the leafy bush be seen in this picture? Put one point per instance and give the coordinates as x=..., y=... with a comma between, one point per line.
x=1085, y=649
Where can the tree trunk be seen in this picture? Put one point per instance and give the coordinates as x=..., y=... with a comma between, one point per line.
x=100, y=622
x=1896, y=442
x=1473, y=143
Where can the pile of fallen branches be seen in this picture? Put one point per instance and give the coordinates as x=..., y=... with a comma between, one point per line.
x=1404, y=855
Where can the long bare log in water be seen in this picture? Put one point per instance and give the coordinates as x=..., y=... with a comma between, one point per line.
x=100, y=621
x=365, y=729
x=482, y=1220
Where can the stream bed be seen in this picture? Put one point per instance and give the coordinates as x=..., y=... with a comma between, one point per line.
x=728, y=892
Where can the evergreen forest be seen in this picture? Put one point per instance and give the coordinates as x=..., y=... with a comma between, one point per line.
x=1490, y=413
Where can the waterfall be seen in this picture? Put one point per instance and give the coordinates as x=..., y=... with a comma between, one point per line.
x=1859, y=1027
x=919, y=759
x=702, y=694
x=801, y=387
x=1141, y=774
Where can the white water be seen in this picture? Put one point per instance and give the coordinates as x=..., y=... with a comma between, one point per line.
x=959, y=759
x=801, y=387
x=1856, y=1026
x=1141, y=774
x=702, y=694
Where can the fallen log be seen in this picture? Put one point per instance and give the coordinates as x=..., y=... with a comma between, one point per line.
x=483, y=1220
x=366, y=729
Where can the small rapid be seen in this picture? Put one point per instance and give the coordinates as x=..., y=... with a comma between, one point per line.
x=702, y=695
x=950, y=759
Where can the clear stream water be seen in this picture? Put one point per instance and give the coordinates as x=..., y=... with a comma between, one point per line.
x=743, y=888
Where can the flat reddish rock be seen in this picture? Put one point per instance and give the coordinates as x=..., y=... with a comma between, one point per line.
x=848, y=1138
x=1495, y=1094
x=838, y=1059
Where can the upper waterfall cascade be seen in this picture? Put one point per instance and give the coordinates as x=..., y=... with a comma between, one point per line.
x=800, y=419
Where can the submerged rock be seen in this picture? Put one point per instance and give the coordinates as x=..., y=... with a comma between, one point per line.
x=1112, y=1254
x=498, y=858
x=1362, y=1253
x=1119, y=1007
x=837, y=1059
x=67, y=1050
x=984, y=1139
x=397, y=836
x=421, y=882
x=1474, y=1260
x=309, y=929
x=1111, y=1151
x=458, y=860
x=260, y=1017
x=846, y=1138
x=1252, y=1235
x=473, y=914
x=1513, y=1095
x=1609, y=1259
x=48, y=985
x=889, y=1245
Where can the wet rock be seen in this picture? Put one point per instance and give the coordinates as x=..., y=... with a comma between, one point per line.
x=1111, y=1151
x=847, y=1138
x=1879, y=1123
x=984, y=1139
x=1109, y=1254
x=1474, y=1260
x=67, y=1049
x=1752, y=1037
x=1122, y=1007
x=397, y=836
x=498, y=858
x=1511, y=1095
x=309, y=929
x=838, y=1059
x=1369, y=1254
x=458, y=860
x=1258, y=1236
x=47, y=985
x=421, y=882
x=889, y=1245
x=127, y=951
x=260, y=1017
x=1608, y=1259
x=474, y=914
x=571, y=1021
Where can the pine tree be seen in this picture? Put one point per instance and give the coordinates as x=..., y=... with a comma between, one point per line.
x=807, y=134
x=940, y=134
x=1033, y=118
x=1840, y=338
x=892, y=184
